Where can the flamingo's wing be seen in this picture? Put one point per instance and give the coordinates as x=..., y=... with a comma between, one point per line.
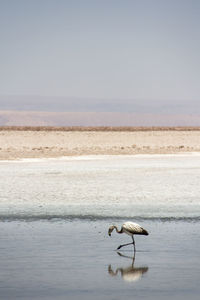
x=133, y=228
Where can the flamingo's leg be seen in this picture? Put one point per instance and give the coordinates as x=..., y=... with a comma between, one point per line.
x=124, y=245
x=133, y=243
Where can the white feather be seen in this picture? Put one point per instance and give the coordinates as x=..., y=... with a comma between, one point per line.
x=131, y=228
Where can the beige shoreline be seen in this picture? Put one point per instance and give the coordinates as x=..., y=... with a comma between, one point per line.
x=15, y=144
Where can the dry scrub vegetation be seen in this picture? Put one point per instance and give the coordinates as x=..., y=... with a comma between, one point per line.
x=100, y=128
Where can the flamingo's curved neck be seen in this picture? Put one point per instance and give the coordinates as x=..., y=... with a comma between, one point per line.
x=119, y=231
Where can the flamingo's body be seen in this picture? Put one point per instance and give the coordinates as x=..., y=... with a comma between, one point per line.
x=129, y=228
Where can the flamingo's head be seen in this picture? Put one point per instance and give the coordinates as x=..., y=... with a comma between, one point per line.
x=110, y=229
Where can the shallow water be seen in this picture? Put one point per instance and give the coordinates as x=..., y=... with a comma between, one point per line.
x=55, y=216
x=73, y=260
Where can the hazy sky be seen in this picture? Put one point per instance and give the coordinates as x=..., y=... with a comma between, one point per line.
x=145, y=50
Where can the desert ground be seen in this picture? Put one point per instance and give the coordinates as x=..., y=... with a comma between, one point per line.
x=44, y=143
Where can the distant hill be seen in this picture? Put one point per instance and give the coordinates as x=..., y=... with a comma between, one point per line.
x=40, y=118
x=85, y=105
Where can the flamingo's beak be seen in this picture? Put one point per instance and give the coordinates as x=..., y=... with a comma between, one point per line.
x=110, y=230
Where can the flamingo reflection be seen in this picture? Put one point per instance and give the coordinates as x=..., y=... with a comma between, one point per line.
x=130, y=273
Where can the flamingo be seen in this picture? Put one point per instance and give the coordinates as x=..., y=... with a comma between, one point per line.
x=129, y=228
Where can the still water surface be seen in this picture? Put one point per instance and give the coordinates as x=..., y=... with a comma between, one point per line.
x=78, y=260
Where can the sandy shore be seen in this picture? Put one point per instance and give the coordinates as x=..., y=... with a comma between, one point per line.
x=16, y=144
